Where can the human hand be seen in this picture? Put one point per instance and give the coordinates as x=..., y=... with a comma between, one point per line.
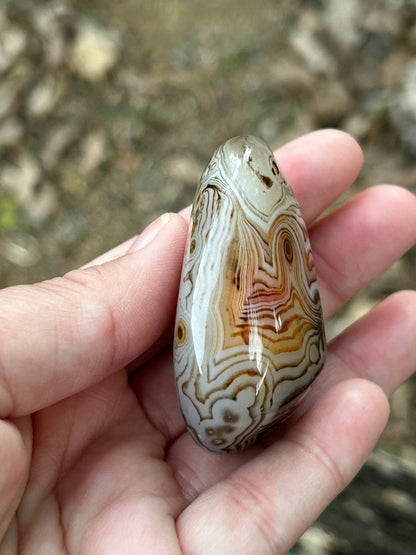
x=93, y=449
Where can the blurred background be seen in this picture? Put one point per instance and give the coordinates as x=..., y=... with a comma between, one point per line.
x=109, y=111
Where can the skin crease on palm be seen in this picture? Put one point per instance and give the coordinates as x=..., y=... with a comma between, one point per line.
x=94, y=453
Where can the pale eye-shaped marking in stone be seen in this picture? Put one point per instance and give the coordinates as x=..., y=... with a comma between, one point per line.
x=249, y=336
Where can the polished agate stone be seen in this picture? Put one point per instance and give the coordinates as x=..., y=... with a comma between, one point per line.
x=249, y=336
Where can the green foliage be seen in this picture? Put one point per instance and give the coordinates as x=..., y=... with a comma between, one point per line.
x=9, y=212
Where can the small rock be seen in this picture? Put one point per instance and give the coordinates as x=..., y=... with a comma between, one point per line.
x=317, y=542
x=399, y=500
x=23, y=250
x=12, y=43
x=306, y=43
x=11, y=131
x=43, y=97
x=58, y=140
x=361, y=511
x=46, y=22
x=10, y=87
x=357, y=125
x=95, y=52
x=43, y=206
x=22, y=177
x=342, y=20
x=93, y=150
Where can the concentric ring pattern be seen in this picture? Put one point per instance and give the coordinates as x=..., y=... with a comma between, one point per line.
x=249, y=336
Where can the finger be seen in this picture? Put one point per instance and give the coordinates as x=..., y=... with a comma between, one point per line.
x=61, y=336
x=112, y=254
x=154, y=386
x=196, y=469
x=357, y=242
x=124, y=248
x=15, y=449
x=186, y=213
x=379, y=347
x=266, y=505
x=319, y=167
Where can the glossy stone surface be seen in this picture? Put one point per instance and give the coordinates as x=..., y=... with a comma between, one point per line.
x=249, y=336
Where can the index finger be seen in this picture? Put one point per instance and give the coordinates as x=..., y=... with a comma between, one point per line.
x=61, y=336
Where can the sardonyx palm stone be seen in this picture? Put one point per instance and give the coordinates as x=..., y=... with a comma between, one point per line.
x=249, y=335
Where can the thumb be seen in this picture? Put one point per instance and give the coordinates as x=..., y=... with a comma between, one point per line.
x=60, y=336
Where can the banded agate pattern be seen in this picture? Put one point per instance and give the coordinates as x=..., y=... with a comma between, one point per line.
x=249, y=336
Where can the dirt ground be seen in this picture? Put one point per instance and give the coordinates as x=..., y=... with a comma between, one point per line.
x=110, y=110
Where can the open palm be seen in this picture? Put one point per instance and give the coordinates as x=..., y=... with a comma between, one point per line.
x=93, y=450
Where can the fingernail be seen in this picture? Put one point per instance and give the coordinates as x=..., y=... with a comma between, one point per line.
x=149, y=233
